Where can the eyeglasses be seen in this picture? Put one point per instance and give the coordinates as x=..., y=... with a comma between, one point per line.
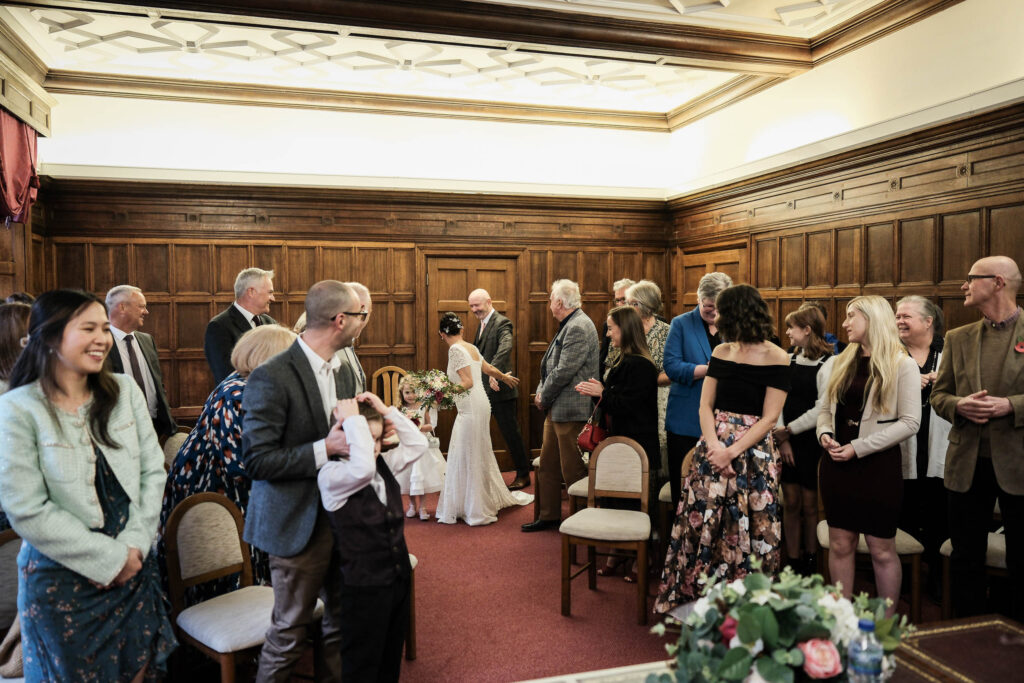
x=361, y=314
x=619, y=300
x=634, y=304
x=972, y=278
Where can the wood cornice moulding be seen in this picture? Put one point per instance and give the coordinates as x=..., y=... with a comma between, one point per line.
x=185, y=90
x=877, y=22
x=23, y=97
x=960, y=131
x=15, y=49
x=729, y=93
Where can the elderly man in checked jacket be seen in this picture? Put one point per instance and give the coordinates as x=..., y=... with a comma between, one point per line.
x=572, y=357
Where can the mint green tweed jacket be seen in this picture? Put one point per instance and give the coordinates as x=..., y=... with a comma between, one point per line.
x=48, y=478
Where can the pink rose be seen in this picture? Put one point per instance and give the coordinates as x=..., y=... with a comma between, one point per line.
x=821, y=659
x=728, y=628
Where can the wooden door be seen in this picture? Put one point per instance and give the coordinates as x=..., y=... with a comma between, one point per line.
x=693, y=266
x=449, y=282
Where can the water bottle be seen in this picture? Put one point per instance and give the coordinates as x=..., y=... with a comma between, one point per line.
x=865, y=655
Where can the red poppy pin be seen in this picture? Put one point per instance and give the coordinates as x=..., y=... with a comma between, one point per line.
x=1019, y=346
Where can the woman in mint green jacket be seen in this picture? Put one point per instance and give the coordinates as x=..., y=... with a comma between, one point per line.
x=81, y=479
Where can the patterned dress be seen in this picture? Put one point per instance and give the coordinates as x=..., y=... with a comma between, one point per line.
x=725, y=522
x=210, y=460
x=74, y=630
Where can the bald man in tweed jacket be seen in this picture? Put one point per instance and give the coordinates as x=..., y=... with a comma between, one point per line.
x=572, y=357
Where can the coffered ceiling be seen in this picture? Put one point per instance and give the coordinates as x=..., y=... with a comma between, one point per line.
x=641, y=64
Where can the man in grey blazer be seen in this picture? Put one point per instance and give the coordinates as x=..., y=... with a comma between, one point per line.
x=288, y=434
x=494, y=342
x=134, y=353
x=980, y=389
x=571, y=358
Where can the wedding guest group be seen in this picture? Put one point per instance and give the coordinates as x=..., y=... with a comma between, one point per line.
x=892, y=429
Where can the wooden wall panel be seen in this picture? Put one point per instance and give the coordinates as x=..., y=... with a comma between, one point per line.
x=820, y=257
x=960, y=235
x=917, y=251
x=879, y=255
x=792, y=263
x=153, y=268
x=1006, y=231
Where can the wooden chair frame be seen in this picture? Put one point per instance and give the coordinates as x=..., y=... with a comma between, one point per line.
x=390, y=376
x=569, y=541
x=177, y=585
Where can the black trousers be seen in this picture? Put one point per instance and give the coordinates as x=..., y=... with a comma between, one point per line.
x=970, y=520
x=373, y=631
x=678, y=447
x=508, y=422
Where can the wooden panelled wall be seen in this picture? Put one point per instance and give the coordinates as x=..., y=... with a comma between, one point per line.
x=184, y=244
x=905, y=216
x=908, y=216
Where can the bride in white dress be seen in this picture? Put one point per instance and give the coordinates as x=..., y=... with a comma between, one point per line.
x=473, y=490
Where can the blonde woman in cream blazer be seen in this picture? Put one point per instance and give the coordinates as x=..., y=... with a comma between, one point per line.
x=871, y=409
x=81, y=476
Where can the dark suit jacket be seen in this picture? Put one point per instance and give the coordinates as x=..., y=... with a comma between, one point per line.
x=630, y=401
x=163, y=423
x=959, y=375
x=222, y=332
x=284, y=415
x=496, y=348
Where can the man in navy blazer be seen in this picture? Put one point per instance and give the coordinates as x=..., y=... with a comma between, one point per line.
x=254, y=290
x=494, y=342
x=126, y=307
x=687, y=353
x=288, y=433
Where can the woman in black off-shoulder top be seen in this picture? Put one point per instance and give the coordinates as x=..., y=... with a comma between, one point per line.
x=730, y=511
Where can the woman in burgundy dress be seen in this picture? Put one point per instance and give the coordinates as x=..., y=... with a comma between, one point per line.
x=872, y=403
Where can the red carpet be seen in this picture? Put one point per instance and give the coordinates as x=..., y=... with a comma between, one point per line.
x=488, y=606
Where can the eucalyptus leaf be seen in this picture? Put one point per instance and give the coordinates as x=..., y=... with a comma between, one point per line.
x=769, y=626
x=749, y=628
x=796, y=657
x=757, y=582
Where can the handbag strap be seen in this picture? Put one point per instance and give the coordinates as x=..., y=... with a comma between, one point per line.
x=590, y=420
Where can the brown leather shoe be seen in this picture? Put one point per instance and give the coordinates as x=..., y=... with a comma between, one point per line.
x=520, y=482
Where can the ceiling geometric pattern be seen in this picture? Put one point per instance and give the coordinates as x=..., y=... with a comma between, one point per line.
x=79, y=40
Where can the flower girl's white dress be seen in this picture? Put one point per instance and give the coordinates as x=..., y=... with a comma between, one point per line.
x=426, y=475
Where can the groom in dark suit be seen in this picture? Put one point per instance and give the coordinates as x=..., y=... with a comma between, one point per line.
x=134, y=353
x=254, y=290
x=288, y=434
x=494, y=341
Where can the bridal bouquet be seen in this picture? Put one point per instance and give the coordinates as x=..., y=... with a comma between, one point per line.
x=433, y=388
x=792, y=629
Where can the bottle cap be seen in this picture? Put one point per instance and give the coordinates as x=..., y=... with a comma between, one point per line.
x=866, y=625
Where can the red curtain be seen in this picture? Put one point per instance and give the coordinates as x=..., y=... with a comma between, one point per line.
x=19, y=183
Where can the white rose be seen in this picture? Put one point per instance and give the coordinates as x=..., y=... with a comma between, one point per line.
x=701, y=607
x=739, y=587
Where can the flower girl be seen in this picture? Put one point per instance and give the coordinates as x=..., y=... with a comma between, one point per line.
x=426, y=475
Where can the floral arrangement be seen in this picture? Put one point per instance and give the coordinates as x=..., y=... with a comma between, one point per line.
x=433, y=388
x=792, y=629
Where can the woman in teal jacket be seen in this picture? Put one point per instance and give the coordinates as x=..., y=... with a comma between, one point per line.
x=81, y=478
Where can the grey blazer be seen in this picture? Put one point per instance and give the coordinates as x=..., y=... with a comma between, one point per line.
x=495, y=345
x=284, y=416
x=571, y=358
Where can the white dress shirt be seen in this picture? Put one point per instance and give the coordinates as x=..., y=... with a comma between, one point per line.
x=149, y=386
x=339, y=480
x=324, y=371
x=248, y=316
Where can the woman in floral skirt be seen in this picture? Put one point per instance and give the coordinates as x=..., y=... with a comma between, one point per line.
x=730, y=513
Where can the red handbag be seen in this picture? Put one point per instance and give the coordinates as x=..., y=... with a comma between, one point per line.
x=593, y=433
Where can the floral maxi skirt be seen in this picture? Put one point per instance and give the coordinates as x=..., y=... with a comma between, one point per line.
x=724, y=522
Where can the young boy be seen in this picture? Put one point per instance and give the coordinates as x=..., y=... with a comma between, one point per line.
x=364, y=505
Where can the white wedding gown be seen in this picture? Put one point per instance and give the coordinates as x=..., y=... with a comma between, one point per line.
x=473, y=488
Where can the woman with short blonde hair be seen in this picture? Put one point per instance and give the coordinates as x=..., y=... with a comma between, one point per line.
x=872, y=405
x=211, y=457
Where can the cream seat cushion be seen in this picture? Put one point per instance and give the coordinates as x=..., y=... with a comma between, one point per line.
x=995, y=556
x=580, y=488
x=905, y=543
x=608, y=525
x=234, y=621
x=413, y=560
x=665, y=494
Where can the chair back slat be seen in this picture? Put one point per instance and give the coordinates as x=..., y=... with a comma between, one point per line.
x=388, y=377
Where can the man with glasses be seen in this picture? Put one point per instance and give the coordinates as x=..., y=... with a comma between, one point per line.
x=980, y=389
x=618, y=299
x=348, y=354
x=288, y=434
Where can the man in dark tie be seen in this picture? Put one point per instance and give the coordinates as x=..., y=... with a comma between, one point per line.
x=494, y=341
x=254, y=290
x=135, y=354
x=288, y=434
